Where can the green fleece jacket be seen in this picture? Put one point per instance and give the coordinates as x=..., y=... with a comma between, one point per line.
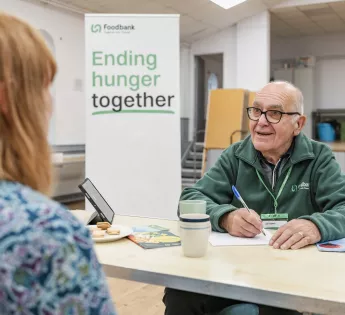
x=315, y=189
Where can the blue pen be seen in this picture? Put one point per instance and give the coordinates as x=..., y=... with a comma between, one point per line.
x=238, y=196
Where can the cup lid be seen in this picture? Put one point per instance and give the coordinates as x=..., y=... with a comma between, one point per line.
x=192, y=201
x=194, y=217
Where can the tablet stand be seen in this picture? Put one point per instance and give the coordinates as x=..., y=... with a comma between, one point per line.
x=96, y=219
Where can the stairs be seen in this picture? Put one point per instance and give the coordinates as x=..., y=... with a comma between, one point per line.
x=189, y=174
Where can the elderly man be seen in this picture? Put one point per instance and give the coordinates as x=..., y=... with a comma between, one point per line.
x=286, y=179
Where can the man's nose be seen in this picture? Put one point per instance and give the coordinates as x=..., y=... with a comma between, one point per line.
x=263, y=120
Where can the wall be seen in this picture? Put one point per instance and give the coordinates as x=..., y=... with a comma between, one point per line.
x=67, y=31
x=329, y=83
x=320, y=46
x=184, y=95
x=216, y=67
x=224, y=43
x=50, y=42
x=253, y=52
x=329, y=68
x=245, y=65
x=185, y=80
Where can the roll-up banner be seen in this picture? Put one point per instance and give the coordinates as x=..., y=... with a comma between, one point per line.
x=133, y=146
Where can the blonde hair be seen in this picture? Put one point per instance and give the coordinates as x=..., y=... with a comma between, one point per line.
x=27, y=68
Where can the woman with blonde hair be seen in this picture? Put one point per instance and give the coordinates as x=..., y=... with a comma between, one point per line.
x=47, y=261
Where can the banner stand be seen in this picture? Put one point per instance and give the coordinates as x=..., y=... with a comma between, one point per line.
x=133, y=148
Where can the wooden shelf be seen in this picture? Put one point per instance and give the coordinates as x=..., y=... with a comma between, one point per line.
x=338, y=146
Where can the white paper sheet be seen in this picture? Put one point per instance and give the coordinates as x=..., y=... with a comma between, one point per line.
x=225, y=239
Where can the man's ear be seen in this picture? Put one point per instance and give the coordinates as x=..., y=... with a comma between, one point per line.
x=299, y=124
x=3, y=102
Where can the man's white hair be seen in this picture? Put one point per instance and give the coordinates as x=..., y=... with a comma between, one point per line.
x=298, y=96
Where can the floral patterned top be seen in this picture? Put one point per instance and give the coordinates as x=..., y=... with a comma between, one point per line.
x=47, y=262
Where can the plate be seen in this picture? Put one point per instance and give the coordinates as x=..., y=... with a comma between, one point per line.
x=124, y=232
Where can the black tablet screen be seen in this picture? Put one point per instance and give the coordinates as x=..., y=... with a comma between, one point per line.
x=97, y=199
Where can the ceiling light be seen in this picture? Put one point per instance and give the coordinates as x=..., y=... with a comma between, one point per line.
x=227, y=4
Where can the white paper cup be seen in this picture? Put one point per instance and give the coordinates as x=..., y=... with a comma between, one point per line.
x=195, y=231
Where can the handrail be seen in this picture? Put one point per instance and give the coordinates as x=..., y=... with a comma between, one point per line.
x=236, y=131
x=191, y=144
x=194, y=151
x=186, y=152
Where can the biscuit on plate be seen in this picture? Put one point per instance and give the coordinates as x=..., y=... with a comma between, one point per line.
x=112, y=231
x=103, y=225
x=95, y=228
x=98, y=234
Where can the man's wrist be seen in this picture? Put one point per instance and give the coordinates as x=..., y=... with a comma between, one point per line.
x=223, y=221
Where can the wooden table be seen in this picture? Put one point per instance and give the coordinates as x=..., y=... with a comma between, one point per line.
x=306, y=280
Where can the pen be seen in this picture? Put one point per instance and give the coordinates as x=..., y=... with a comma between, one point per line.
x=238, y=196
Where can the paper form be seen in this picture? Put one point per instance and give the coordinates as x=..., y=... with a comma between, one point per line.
x=225, y=239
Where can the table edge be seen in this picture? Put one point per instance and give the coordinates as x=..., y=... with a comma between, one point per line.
x=240, y=293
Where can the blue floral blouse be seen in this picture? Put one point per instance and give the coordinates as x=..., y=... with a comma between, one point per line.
x=47, y=262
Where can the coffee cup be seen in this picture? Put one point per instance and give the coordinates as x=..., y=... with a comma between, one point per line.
x=192, y=206
x=195, y=230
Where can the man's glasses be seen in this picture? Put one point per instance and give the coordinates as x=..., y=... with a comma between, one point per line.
x=272, y=116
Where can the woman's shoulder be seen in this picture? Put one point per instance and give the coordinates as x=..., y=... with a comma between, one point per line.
x=13, y=193
x=32, y=213
x=41, y=242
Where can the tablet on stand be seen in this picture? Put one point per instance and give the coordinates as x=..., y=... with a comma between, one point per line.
x=103, y=212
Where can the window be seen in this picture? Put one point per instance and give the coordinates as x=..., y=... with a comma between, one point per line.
x=212, y=84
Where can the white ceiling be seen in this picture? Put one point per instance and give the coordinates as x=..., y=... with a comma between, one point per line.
x=317, y=19
x=199, y=18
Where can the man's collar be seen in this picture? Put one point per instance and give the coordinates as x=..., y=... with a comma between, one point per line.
x=299, y=151
x=286, y=155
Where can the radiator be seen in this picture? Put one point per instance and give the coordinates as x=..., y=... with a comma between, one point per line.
x=69, y=172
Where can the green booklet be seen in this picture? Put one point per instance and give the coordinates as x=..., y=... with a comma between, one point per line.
x=154, y=239
x=149, y=228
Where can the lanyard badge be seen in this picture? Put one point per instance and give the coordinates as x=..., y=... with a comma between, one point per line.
x=275, y=220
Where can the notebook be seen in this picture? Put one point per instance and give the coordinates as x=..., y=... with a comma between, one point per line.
x=332, y=246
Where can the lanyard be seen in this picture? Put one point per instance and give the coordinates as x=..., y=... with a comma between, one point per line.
x=280, y=190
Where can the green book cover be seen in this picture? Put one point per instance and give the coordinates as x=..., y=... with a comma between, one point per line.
x=156, y=239
x=149, y=228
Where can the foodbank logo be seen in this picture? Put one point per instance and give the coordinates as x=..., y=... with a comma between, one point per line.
x=301, y=186
x=106, y=28
x=96, y=28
